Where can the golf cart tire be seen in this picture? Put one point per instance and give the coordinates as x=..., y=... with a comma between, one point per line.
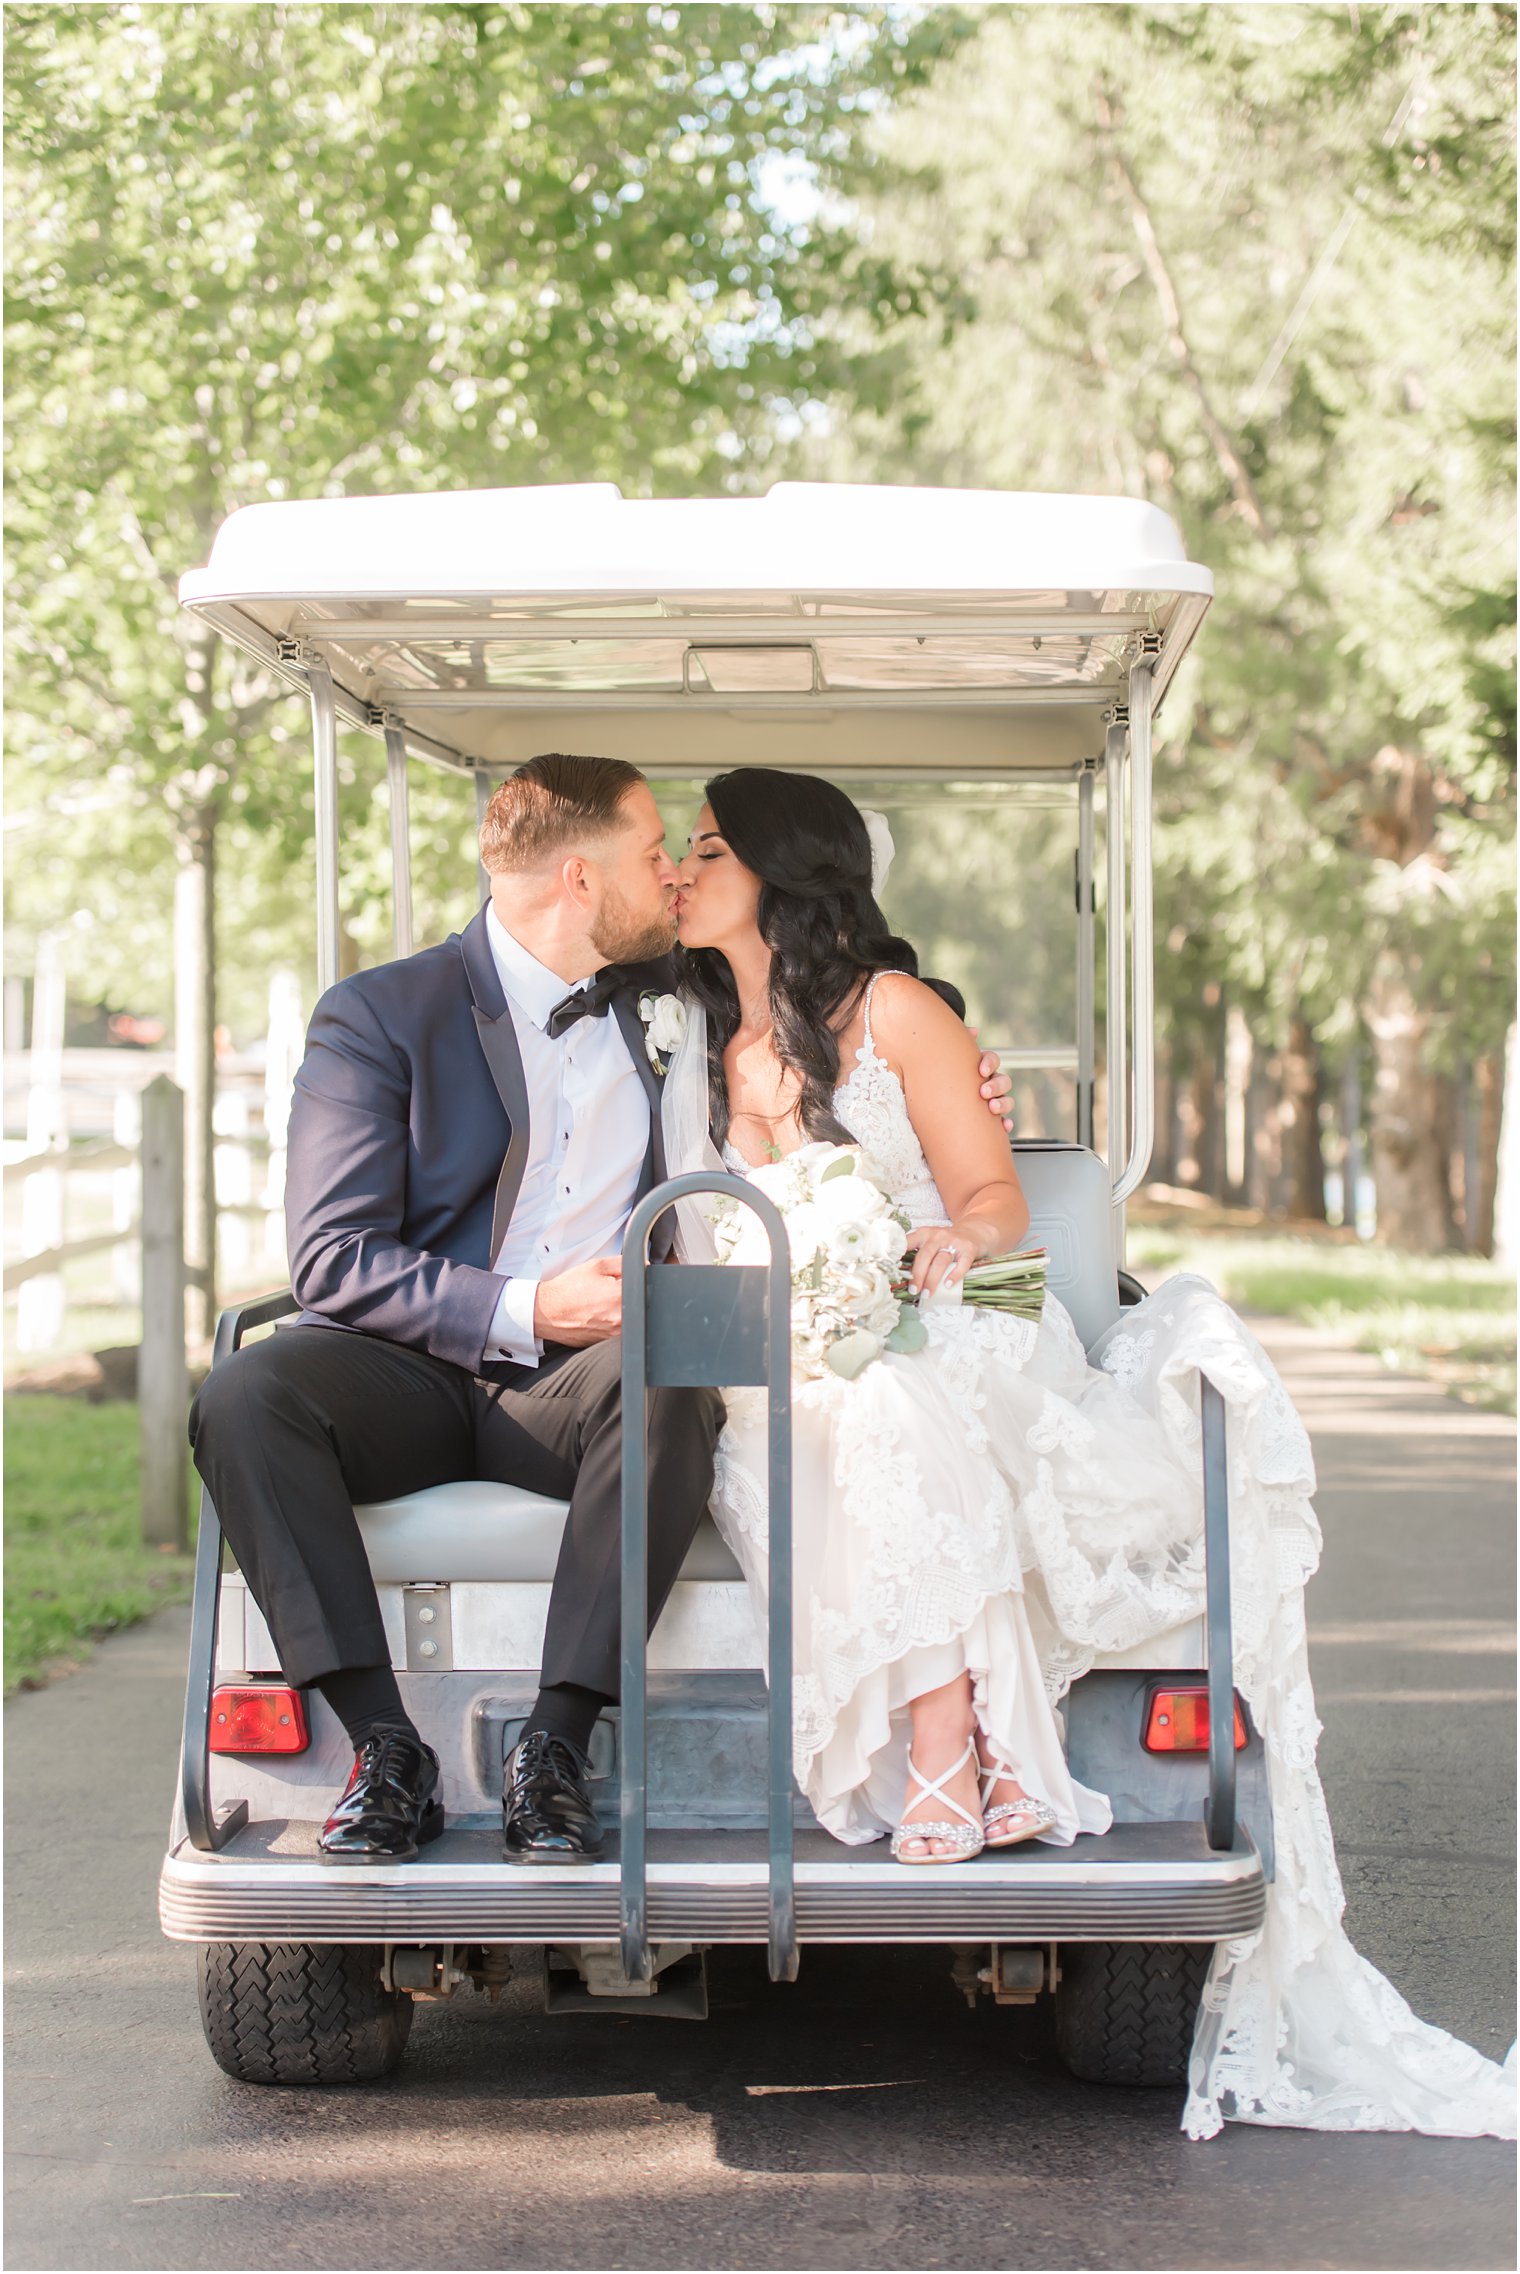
x=1125, y=2010
x=299, y=2013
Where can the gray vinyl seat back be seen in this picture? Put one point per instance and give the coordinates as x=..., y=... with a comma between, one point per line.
x=475, y=1530
x=1071, y=1216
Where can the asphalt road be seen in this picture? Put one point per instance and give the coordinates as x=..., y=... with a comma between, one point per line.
x=859, y=2118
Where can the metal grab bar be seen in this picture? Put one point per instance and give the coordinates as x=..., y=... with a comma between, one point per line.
x=1116, y=941
x=201, y=1827
x=324, y=764
x=401, y=840
x=705, y=1326
x=1141, y=1120
x=1219, y=1809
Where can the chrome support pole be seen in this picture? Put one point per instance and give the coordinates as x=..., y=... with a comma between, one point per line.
x=401, y=841
x=1142, y=1121
x=1115, y=1031
x=483, y=788
x=1086, y=957
x=324, y=751
x=1219, y=1812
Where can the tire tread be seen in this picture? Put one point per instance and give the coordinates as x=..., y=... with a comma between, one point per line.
x=1125, y=2010
x=300, y=2013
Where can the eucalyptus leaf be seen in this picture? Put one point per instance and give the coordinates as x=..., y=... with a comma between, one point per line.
x=852, y=1353
x=909, y=1334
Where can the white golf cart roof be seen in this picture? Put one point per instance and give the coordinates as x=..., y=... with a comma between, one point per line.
x=828, y=625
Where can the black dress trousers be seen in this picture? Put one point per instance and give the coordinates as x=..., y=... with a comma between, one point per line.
x=290, y=1432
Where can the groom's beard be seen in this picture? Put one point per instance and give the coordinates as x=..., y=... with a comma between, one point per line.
x=622, y=937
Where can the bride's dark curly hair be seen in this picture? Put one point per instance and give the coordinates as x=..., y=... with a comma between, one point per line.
x=807, y=843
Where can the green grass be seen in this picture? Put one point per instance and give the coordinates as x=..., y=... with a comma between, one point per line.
x=1449, y=1317
x=75, y=1563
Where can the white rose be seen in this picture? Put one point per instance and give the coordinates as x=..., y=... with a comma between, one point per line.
x=806, y=1233
x=887, y=1241
x=855, y=1244
x=859, y=1291
x=668, y=1026
x=664, y=1018
x=850, y=1200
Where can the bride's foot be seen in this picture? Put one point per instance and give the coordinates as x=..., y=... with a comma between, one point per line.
x=943, y=1794
x=936, y=1828
x=1009, y=1813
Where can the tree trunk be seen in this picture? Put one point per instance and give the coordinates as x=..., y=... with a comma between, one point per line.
x=1239, y=1055
x=1164, y=1153
x=1190, y=1125
x=1205, y=1087
x=1507, y=1151
x=1408, y=1158
x=1488, y=1091
x=1449, y=1136
x=195, y=1058
x=1264, y=1159
x=1303, y=1153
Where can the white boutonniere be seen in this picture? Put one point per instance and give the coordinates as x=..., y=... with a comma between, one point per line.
x=664, y=1018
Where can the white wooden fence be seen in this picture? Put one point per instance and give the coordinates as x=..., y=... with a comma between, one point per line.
x=123, y=1197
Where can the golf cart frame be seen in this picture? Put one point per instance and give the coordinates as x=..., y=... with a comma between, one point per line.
x=863, y=633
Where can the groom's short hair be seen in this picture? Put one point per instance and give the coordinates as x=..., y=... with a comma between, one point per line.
x=550, y=805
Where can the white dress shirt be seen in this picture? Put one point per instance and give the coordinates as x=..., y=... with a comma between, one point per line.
x=588, y=1133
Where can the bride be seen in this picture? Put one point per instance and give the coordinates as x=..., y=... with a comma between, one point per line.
x=976, y=1522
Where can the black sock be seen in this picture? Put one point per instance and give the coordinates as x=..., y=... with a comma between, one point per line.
x=565, y=1710
x=367, y=1698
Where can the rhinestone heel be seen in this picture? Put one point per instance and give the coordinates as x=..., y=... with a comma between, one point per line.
x=968, y=1836
x=1022, y=1819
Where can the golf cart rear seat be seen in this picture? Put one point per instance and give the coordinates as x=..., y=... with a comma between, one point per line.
x=485, y=1553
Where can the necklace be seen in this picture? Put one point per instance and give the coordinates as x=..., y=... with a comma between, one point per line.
x=773, y=1151
x=769, y=1122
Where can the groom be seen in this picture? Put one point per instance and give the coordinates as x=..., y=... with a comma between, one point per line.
x=471, y=1128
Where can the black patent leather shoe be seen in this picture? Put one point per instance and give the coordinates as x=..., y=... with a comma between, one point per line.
x=390, y=1806
x=546, y=1811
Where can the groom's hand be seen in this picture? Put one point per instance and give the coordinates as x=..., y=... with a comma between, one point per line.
x=582, y=1306
x=996, y=1087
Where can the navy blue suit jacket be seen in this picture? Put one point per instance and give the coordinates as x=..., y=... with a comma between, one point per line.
x=407, y=1145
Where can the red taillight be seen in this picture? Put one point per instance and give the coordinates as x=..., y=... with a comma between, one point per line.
x=258, y=1721
x=1178, y=1722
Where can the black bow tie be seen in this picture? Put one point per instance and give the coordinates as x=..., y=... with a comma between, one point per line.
x=591, y=1002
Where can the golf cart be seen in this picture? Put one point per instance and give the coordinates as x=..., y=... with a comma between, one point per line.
x=934, y=651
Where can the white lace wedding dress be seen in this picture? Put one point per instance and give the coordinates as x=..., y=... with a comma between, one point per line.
x=1000, y=1501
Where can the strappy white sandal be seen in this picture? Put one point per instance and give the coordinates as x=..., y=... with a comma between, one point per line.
x=1022, y=1819
x=968, y=1836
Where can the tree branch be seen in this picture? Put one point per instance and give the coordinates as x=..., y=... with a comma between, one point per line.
x=137, y=539
x=1230, y=462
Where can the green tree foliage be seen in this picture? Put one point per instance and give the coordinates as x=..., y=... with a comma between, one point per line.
x=1256, y=264
x=314, y=250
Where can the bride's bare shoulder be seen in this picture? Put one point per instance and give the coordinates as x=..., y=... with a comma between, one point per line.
x=909, y=1021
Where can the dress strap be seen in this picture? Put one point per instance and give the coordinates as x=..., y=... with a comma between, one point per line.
x=870, y=1040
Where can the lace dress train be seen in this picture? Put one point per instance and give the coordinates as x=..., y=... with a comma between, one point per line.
x=999, y=1502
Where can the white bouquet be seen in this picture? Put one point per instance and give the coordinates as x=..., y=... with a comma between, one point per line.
x=847, y=1244
x=851, y=1296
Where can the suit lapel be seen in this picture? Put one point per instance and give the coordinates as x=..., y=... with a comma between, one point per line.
x=498, y=1041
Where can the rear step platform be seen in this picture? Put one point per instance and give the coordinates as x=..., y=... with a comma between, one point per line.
x=1140, y=1882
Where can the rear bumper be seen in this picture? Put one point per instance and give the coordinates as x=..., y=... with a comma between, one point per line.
x=1139, y=1883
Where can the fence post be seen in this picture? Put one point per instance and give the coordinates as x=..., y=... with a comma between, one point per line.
x=163, y=1381
x=40, y=1304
